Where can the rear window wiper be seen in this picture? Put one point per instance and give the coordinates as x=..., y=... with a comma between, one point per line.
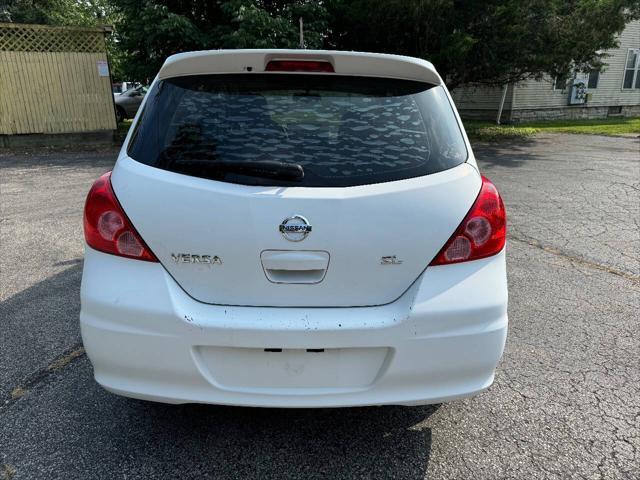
x=264, y=169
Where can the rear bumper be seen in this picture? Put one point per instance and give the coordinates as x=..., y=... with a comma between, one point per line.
x=147, y=339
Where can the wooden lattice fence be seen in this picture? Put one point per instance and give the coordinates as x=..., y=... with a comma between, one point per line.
x=54, y=80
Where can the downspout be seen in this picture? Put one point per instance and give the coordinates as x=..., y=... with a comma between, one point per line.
x=504, y=97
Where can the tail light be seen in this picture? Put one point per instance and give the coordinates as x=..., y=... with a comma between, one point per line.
x=481, y=234
x=106, y=226
x=299, y=66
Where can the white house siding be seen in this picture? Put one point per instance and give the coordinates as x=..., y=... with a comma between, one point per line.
x=610, y=91
x=482, y=102
x=537, y=99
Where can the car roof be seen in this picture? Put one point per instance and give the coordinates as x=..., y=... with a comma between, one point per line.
x=344, y=63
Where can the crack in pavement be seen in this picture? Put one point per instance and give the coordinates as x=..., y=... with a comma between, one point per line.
x=59, y=363
x=574, y=258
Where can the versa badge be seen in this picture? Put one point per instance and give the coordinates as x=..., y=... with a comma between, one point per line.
x=190, y=258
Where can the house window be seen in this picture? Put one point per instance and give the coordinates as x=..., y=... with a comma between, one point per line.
x=560, y=83
x=631, y=76
x=594, y=76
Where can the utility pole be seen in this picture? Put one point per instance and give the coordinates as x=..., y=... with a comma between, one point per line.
x=301, y=33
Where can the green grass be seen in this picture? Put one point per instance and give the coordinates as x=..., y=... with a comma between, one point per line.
x=123, y=127
x=605, y=126
x=490, y=132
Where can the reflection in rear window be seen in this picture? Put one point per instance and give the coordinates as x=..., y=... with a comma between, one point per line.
x=343, y=131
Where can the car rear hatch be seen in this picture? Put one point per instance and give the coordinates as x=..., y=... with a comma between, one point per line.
x=295, y=188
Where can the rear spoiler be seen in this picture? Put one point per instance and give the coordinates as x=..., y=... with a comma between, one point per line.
x=256, y=61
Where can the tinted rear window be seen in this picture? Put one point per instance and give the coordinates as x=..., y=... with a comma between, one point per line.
x=343, y=131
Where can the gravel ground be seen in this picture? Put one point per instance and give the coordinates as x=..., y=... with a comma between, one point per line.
x=565, y=404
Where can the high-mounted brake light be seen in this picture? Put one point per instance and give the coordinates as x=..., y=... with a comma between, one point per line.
x=106, y=226
x=481, y=234
x=299, y=66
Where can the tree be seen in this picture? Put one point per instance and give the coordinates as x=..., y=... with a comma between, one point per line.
x=470, y=41
x=151, y=30
x=489, y=42
x=58, y=12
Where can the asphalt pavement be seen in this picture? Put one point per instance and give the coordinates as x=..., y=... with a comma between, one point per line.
x=565, y=403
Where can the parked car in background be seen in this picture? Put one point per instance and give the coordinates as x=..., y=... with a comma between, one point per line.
x=120, y=87
x=127, y=103
x=315, y=233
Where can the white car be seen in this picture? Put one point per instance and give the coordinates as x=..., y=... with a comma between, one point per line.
x=294, y=228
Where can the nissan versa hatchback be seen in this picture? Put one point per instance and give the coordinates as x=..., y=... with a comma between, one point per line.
x=292, y=228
